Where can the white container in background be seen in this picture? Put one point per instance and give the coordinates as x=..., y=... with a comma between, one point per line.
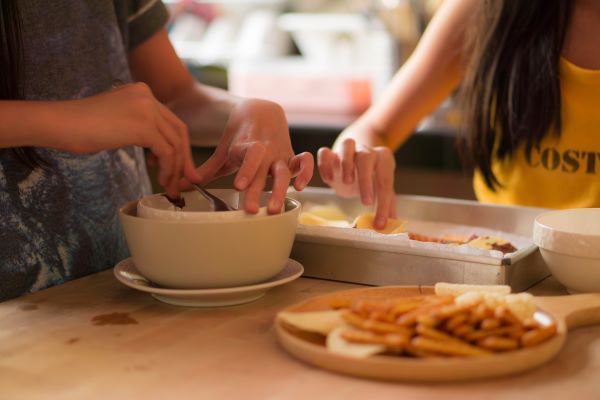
x=308, y=92
x=260, y=37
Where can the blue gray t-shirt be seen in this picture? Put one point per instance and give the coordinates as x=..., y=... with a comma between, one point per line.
x=62, y=223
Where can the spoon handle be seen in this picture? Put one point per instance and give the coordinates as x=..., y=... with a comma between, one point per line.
x=216, y=203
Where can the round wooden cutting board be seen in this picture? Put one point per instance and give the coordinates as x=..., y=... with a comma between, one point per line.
x=568, y=312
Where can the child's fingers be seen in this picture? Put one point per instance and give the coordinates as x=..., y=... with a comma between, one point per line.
x=348, y=151
x=325, y=162
x=254, y=191
x=384, y=184
x=253, y=156
x=187, y=164
x=365, y=166
x=281, y=180
x=302, y=167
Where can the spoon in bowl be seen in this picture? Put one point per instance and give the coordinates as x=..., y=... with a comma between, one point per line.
x=216, y=204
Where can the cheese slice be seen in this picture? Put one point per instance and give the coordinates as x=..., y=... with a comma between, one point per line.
x=366, y=221
x=337, y=344
x=488, y=242
x=330, y=212
x=456, y=289
x=522, y=305
x=307, y=218
x=322, y=322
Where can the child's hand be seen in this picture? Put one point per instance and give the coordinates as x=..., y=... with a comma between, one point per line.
x=127, y=115
x=256, y=144
x=353, y=170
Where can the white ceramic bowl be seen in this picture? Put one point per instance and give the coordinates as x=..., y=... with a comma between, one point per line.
x=569, y=241
x=211, y=250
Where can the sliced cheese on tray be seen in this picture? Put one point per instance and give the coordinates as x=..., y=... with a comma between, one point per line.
x=308, y=218
x=367, y=221
x=492, y=243
x=330, y=212
x=322, y=322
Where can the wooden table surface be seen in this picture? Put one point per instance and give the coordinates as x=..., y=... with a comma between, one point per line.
x=52, y=347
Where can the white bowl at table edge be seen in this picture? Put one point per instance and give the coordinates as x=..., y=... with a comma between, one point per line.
x=569, y=242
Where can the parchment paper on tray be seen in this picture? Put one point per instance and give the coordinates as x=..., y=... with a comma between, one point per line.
x=428, y=228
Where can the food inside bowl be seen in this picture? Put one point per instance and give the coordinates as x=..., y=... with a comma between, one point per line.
x=178, y=203
x=456, y=321
x=193, y=206
x=332, y=216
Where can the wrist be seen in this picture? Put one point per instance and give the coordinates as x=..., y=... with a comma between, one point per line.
x=363, y=132
x=267, y=116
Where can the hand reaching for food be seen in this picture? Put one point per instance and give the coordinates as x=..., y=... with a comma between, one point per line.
x=256, y=144
x=365, y=171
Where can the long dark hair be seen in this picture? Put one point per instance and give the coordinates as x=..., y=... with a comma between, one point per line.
x=11, y=76
x=511, y=93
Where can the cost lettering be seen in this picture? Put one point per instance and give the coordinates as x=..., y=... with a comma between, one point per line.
x=570, y=161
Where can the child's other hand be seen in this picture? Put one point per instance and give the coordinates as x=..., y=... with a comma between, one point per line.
x=128, y=115
x=353, y=170
x=256, y=143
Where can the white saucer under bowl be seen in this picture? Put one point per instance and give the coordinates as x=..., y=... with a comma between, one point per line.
x=126, y=272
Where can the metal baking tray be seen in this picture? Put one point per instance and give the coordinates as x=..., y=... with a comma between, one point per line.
x=377, y=264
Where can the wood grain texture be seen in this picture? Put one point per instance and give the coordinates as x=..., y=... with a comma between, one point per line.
x=54, y=350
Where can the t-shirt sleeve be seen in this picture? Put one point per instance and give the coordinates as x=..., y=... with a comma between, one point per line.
x=144, y=18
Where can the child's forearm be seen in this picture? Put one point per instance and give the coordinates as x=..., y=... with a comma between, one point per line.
x=29, y=123
x=425, y=80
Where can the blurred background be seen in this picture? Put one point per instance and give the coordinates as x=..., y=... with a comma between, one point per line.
x=325, y=62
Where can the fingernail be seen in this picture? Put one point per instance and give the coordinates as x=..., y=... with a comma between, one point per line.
x=367, y=199
x=242, y=182
x=274, y=206
x=380, y=222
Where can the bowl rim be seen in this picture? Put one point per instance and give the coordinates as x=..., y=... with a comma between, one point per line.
x=540, y=225
x=568, y=254
x=196, y=213
x=125, y=212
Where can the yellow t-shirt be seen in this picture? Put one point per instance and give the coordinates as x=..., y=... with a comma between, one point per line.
x=564, y=172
